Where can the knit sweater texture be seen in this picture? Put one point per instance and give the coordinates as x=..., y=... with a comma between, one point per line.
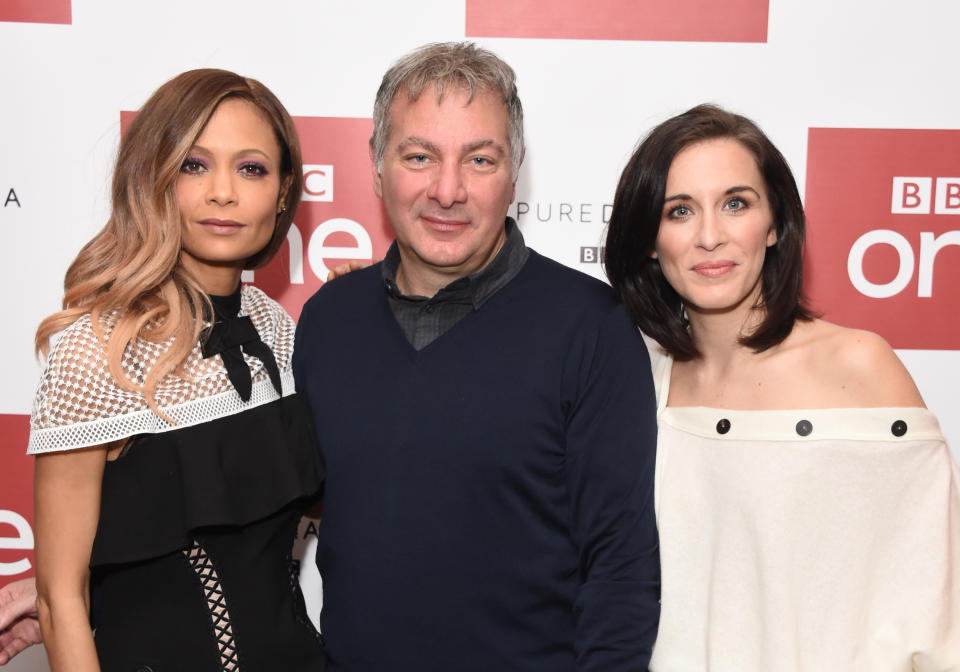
x=489, y=498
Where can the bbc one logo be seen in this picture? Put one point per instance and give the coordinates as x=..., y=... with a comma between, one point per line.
x=911, y=196
x=318, y=183
x=340, y=218
x=318, y=187
x=16, y=497
x=19, y=539
x=883, y=248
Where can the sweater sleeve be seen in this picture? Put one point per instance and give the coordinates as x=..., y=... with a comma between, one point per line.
x=610, y=449
x=301, y=350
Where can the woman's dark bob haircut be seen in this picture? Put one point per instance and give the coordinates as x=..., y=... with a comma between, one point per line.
x=652, y=303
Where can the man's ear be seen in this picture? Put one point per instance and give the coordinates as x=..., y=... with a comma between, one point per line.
x=377, y=186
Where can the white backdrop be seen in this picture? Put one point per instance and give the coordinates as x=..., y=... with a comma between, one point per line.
x=824, y=64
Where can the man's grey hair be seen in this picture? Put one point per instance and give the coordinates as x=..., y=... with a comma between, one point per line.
x=458, y=66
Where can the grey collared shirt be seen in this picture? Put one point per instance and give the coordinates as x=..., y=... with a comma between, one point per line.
x=424, y=319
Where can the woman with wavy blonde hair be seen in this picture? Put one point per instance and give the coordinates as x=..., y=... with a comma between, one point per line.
x=173, y=456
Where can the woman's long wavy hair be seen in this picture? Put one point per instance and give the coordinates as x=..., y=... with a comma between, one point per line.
x=129, y=275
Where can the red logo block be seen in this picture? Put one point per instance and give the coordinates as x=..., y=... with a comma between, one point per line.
x=16, y=499
x=36, y=11
x=883, y=235
x=340, y=217
x=677, y=21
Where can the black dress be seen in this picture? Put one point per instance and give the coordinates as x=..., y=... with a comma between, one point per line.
x=191, y=568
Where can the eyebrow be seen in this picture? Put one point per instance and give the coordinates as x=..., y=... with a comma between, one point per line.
x=421, y=142
x=473, y=146
x=249, y=150
x=469, y=147
x=731, y=190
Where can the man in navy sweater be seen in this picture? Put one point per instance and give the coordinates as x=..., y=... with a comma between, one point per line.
x=490, y=457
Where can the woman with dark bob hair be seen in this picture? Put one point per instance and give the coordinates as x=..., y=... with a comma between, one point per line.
x=173, y=456
x=807, y=502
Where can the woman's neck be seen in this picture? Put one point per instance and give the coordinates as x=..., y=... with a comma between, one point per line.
x=215, y=280
x=717, y=334
x=715, y=378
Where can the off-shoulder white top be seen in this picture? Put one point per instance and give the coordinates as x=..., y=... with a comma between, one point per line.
x=805, y=540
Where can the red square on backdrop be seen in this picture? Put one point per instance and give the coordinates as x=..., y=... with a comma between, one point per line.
x=676, y=21
x=16, y=499
x=883, y=232
x=340, y=217
x=36, y=11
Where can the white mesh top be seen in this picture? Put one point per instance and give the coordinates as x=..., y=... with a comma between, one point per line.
x=805, y=540
x=78, y=404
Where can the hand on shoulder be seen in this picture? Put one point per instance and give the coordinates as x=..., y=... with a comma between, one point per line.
x=865, y=367
x=347, y=267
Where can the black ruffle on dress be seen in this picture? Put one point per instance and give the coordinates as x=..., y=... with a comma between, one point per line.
x=192, y=566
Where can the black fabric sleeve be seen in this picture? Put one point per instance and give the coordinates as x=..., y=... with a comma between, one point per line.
x=611, y=447
x=301, y=350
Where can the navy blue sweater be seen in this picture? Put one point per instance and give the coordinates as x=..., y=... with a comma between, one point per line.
x=489, y=499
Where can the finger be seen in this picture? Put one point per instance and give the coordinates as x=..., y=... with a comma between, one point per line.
x=21, y=605
x=23, y=634
x=348, y=267
x=25, y=604
x=9, y=648
x=17, y=599
x=15, y=646
x=28, y=631
x=337, y=271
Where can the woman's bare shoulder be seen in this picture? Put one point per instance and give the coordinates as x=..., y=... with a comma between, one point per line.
x=859, y=366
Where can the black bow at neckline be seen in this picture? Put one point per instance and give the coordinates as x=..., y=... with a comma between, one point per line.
x=232, y=335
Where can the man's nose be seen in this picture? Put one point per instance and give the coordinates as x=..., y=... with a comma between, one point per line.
x=448, y=187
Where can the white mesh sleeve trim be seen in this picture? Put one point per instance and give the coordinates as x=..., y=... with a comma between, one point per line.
x=186, y=414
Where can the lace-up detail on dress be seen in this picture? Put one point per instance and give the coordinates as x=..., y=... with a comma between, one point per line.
x=78, y=403
x=217, y=604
